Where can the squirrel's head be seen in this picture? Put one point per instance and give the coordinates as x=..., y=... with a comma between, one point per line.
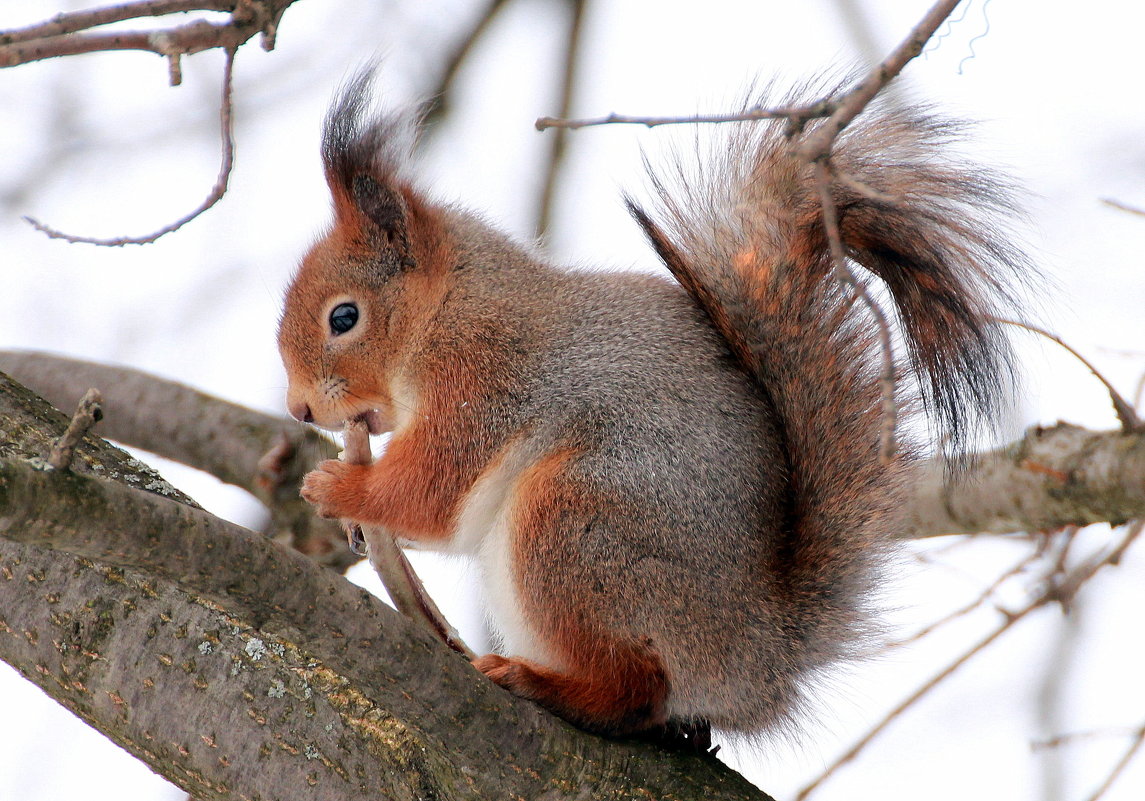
x=356, y=303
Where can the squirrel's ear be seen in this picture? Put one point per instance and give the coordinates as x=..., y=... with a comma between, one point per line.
x=383, y=206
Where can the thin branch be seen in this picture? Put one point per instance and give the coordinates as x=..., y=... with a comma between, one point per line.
x=839, y=112
x=844, y=275
x=397, y=574
x=75, y=21
x=215, y=195
x=1053, y=592
x=1119, y=768
x=88, y=413
x=866, y=190
x=1124, y=410
x=976, y=603
x=1117, y=204
x=439, y=97
x=1060, y=740
x=557, y=143
x=854, y=751
x=818, y=143
x=799, y=113
x=1057, y=680
x=62, y=36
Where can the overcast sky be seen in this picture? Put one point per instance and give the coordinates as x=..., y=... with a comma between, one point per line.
x=100, y=145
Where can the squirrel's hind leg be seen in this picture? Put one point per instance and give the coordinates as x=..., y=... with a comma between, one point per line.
x=629, y=698
x=594, y=673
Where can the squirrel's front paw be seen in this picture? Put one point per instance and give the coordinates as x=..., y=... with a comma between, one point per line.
x=335, y=488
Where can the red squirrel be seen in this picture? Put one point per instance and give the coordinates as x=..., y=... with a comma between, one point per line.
x=673, y=488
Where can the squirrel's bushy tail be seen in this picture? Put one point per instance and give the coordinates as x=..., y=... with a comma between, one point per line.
x=751, y=229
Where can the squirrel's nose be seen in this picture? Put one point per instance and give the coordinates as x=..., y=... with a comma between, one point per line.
x=301, y=412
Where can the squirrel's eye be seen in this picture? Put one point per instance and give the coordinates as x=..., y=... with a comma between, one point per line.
x=343, y=317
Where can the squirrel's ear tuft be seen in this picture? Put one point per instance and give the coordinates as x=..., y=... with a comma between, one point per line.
x=364, y=155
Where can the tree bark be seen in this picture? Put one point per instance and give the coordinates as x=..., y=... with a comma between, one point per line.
x=229, y=441
x=1063, y=475
x=240, y=669
x=1051, y=477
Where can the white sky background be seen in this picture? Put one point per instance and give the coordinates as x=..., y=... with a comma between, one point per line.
x=100, y=145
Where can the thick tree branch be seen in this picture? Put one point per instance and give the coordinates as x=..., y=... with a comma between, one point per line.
x=124, y=605
x=1052, y=477
x=263, y=454
x=168, y=418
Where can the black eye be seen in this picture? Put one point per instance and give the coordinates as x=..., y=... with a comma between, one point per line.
x=343, y=317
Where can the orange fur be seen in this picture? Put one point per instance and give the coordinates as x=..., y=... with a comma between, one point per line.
x=674, y=491
x=604, y=681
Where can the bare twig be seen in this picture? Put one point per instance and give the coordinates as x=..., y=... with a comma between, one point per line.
x=216, y=193
x=391, y=565
x=913, y=698
x=866, y=190
x=844, y=275
x=88, y=413
x=1117, y=204
x=1056, y=681
x=1052, y=592
x=1070, y=738
x=802, y=113
x=75, y=21
x=558, y=142
x=976, y=603
x=1124, y=410
x=63, y=34
x=439, y=97
x=839, y=112
x=1118, y=769
x=818, y=143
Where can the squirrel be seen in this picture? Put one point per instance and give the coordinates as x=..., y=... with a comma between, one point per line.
x=673, y=489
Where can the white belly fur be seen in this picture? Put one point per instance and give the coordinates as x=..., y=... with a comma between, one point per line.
x=483, y=532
